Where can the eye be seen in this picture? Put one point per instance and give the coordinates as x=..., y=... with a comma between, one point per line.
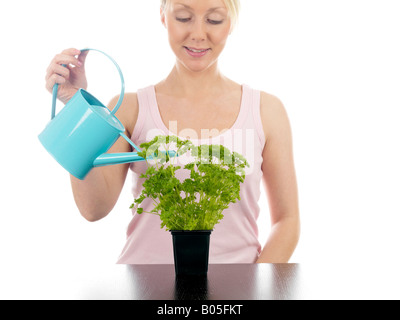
x=214, y=21
x=183, y=19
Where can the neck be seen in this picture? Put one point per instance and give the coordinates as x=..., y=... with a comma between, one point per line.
x=186, y=83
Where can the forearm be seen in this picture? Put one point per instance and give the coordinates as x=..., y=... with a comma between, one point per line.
x=281, y=242
x=93, y=196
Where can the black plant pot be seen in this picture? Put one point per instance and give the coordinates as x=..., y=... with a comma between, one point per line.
x=191, y=251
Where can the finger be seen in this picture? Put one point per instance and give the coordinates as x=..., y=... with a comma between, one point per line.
x=58, y=69
x=67, y=60
x=55, y=78
x=71, y=52
x=82, y=57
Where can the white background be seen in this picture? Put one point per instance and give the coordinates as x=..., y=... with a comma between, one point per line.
x=334, y=64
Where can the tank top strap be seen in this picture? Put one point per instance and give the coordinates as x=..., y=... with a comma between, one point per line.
x=143, y=96
x=252, y=110
x=256, y=106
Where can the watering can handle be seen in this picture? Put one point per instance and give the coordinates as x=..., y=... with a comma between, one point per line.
x=121, y=97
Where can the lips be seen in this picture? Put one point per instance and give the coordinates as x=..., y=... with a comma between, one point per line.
x=196, y=52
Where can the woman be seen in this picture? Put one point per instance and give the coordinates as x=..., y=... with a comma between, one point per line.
x=196, y=101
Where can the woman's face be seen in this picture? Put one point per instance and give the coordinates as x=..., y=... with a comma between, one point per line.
x=197, y=30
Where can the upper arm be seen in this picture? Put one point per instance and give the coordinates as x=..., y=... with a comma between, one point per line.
x=127, y=114
x=278, y=167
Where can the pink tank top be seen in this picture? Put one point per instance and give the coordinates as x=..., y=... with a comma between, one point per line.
x=235, y=238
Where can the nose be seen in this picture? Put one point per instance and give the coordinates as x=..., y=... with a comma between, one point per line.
x=199, y=33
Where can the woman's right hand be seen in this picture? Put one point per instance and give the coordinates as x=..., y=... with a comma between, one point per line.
x=70, y=78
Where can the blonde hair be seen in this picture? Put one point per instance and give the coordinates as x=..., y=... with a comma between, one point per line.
x=233, y=7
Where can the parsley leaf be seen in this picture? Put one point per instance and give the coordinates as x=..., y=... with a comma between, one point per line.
x=196, y=203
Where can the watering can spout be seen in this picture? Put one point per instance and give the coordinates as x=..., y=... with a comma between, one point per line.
x=120, y=158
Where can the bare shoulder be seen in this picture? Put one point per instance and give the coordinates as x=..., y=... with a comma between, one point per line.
x=274, y=117
x=271, y=105
x=128, y=111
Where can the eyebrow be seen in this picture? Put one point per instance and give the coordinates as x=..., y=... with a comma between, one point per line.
x=190, y=8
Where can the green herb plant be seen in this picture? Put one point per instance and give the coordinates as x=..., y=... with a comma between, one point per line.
x=196, y=203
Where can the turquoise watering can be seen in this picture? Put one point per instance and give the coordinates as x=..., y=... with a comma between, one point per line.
x=79, y=136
